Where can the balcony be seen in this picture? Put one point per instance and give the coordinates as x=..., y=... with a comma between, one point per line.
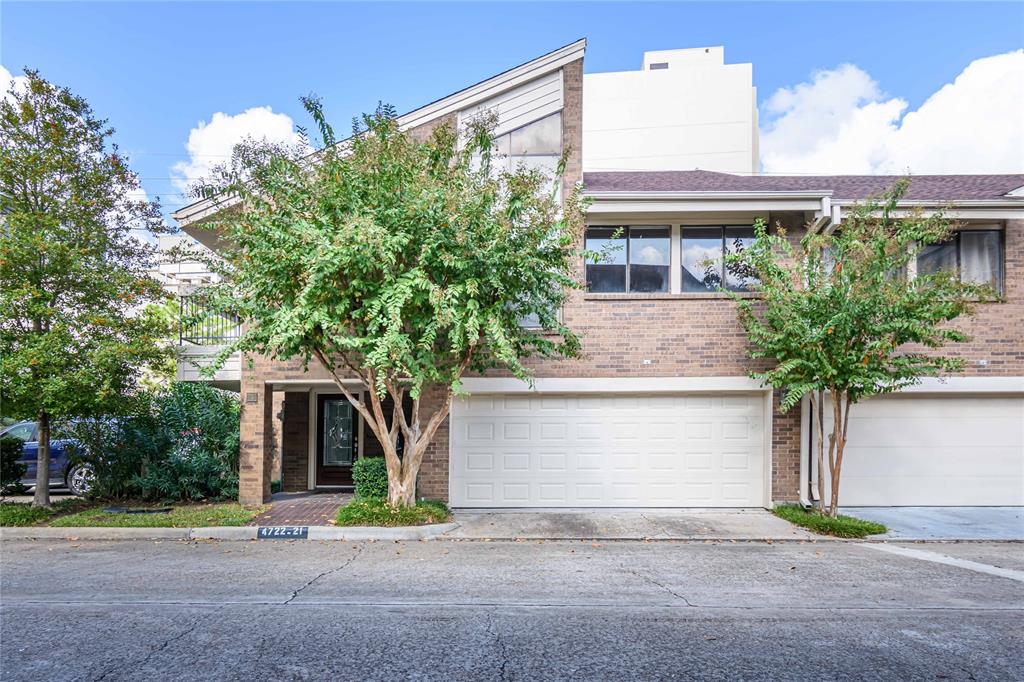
x=203, y=334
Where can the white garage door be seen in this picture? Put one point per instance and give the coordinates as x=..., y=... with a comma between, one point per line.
x=608, y=451
x=935, y=451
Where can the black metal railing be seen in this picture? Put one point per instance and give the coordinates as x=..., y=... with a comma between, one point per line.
x=201, y=325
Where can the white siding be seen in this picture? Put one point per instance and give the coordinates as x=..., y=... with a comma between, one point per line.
x=521, y=105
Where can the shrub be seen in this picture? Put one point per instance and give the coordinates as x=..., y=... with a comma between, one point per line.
x=12, y=469
x=188, y=475
x=119, y=450
x=200, y=424
x=377, y=512
x=370, y=475
x=179, y=444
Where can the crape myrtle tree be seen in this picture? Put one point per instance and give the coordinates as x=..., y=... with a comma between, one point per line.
x=399, y=261
x=73, y=278
x=840, y=319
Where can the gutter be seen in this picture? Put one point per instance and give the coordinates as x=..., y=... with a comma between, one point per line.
x=683, y=196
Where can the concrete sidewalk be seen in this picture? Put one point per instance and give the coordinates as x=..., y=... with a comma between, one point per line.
x=625, y=524
x=223, y=533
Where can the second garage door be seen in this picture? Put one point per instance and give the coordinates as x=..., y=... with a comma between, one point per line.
x=906, y=450
x=608, y=451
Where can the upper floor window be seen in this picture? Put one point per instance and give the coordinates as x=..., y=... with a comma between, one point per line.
x=975, y=255
x=536, y=145
x=633, y=259
x=703, y=256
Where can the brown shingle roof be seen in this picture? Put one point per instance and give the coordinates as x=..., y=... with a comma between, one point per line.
x=849, y=187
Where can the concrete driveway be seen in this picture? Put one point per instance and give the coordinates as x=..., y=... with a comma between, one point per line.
x=945, y=523
x=624, y=524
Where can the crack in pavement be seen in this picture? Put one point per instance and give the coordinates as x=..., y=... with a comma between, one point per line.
x=656, y=524
x=156, y=649
x=359, y=550
x=658, y=584
x=492, y=629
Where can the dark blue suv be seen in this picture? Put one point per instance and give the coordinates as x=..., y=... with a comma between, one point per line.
x=78, y=477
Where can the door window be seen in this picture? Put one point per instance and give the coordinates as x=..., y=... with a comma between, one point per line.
x=337, y=432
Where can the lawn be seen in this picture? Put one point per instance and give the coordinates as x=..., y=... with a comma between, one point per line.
x=376, y=512
x=182, y=516
x=841, y=526
x=24, y=514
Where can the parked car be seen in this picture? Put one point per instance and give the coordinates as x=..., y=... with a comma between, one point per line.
x=77, y=476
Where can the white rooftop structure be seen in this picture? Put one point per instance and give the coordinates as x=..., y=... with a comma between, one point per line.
x=684, y=110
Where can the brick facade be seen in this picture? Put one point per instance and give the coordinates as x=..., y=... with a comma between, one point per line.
x=624, y=335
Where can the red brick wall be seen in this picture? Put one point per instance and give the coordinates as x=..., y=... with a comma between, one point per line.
x=681, y=335
x=295, y=442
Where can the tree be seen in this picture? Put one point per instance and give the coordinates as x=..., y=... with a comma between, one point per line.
x=842, y=321
x=400, y=261
x=74, y=277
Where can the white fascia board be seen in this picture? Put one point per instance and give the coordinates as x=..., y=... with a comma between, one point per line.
x=303, y=385
x=708, y=205
x=734, y=384
x=496, y=85
x=996, y=209
x=968, y=385
x=202, y=209
x=817, y=195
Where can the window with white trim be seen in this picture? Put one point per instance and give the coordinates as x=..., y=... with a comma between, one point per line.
x=975, y=255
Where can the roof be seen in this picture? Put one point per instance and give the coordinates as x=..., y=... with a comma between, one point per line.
x=939, y=188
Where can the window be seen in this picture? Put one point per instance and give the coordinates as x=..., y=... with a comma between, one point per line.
x=703, y=256
x=536, y=145
x=977, y=255
x=634, y=259
x=24, y=432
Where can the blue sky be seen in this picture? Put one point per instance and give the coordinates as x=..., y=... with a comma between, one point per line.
x=157, y=69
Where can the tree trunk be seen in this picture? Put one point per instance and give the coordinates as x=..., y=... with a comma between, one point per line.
x=840, y=417
x=42, y=494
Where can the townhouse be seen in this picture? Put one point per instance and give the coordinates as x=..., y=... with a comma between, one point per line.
x=661, y=412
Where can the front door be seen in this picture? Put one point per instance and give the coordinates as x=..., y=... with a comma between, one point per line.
x=337, y=440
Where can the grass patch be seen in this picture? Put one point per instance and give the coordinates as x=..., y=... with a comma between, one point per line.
x=841, y=526
x=374, y=511
x=24, y=514
x=183, y=516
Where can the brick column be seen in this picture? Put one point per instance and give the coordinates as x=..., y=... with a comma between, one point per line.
x=257, y=443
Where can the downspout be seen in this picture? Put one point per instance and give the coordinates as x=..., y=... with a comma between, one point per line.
x=806, y=454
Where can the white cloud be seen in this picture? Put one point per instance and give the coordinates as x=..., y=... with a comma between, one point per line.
x=210, y=144
x=6, y=77
x=841, y=122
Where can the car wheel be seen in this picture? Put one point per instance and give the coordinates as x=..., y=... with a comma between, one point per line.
x=81, y=479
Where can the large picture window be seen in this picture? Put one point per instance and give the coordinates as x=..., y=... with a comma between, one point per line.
x=975, y=255
x=703, y=259
x=633, y=259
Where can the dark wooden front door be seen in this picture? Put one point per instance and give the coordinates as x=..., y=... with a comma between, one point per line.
x=337, y=439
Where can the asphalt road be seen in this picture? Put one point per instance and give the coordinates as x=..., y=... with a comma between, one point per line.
x=511, y=610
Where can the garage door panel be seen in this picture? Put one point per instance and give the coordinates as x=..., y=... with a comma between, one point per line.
x=934, y=451
x=612, y=451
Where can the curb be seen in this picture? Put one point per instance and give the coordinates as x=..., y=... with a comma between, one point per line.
x=427, y=532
